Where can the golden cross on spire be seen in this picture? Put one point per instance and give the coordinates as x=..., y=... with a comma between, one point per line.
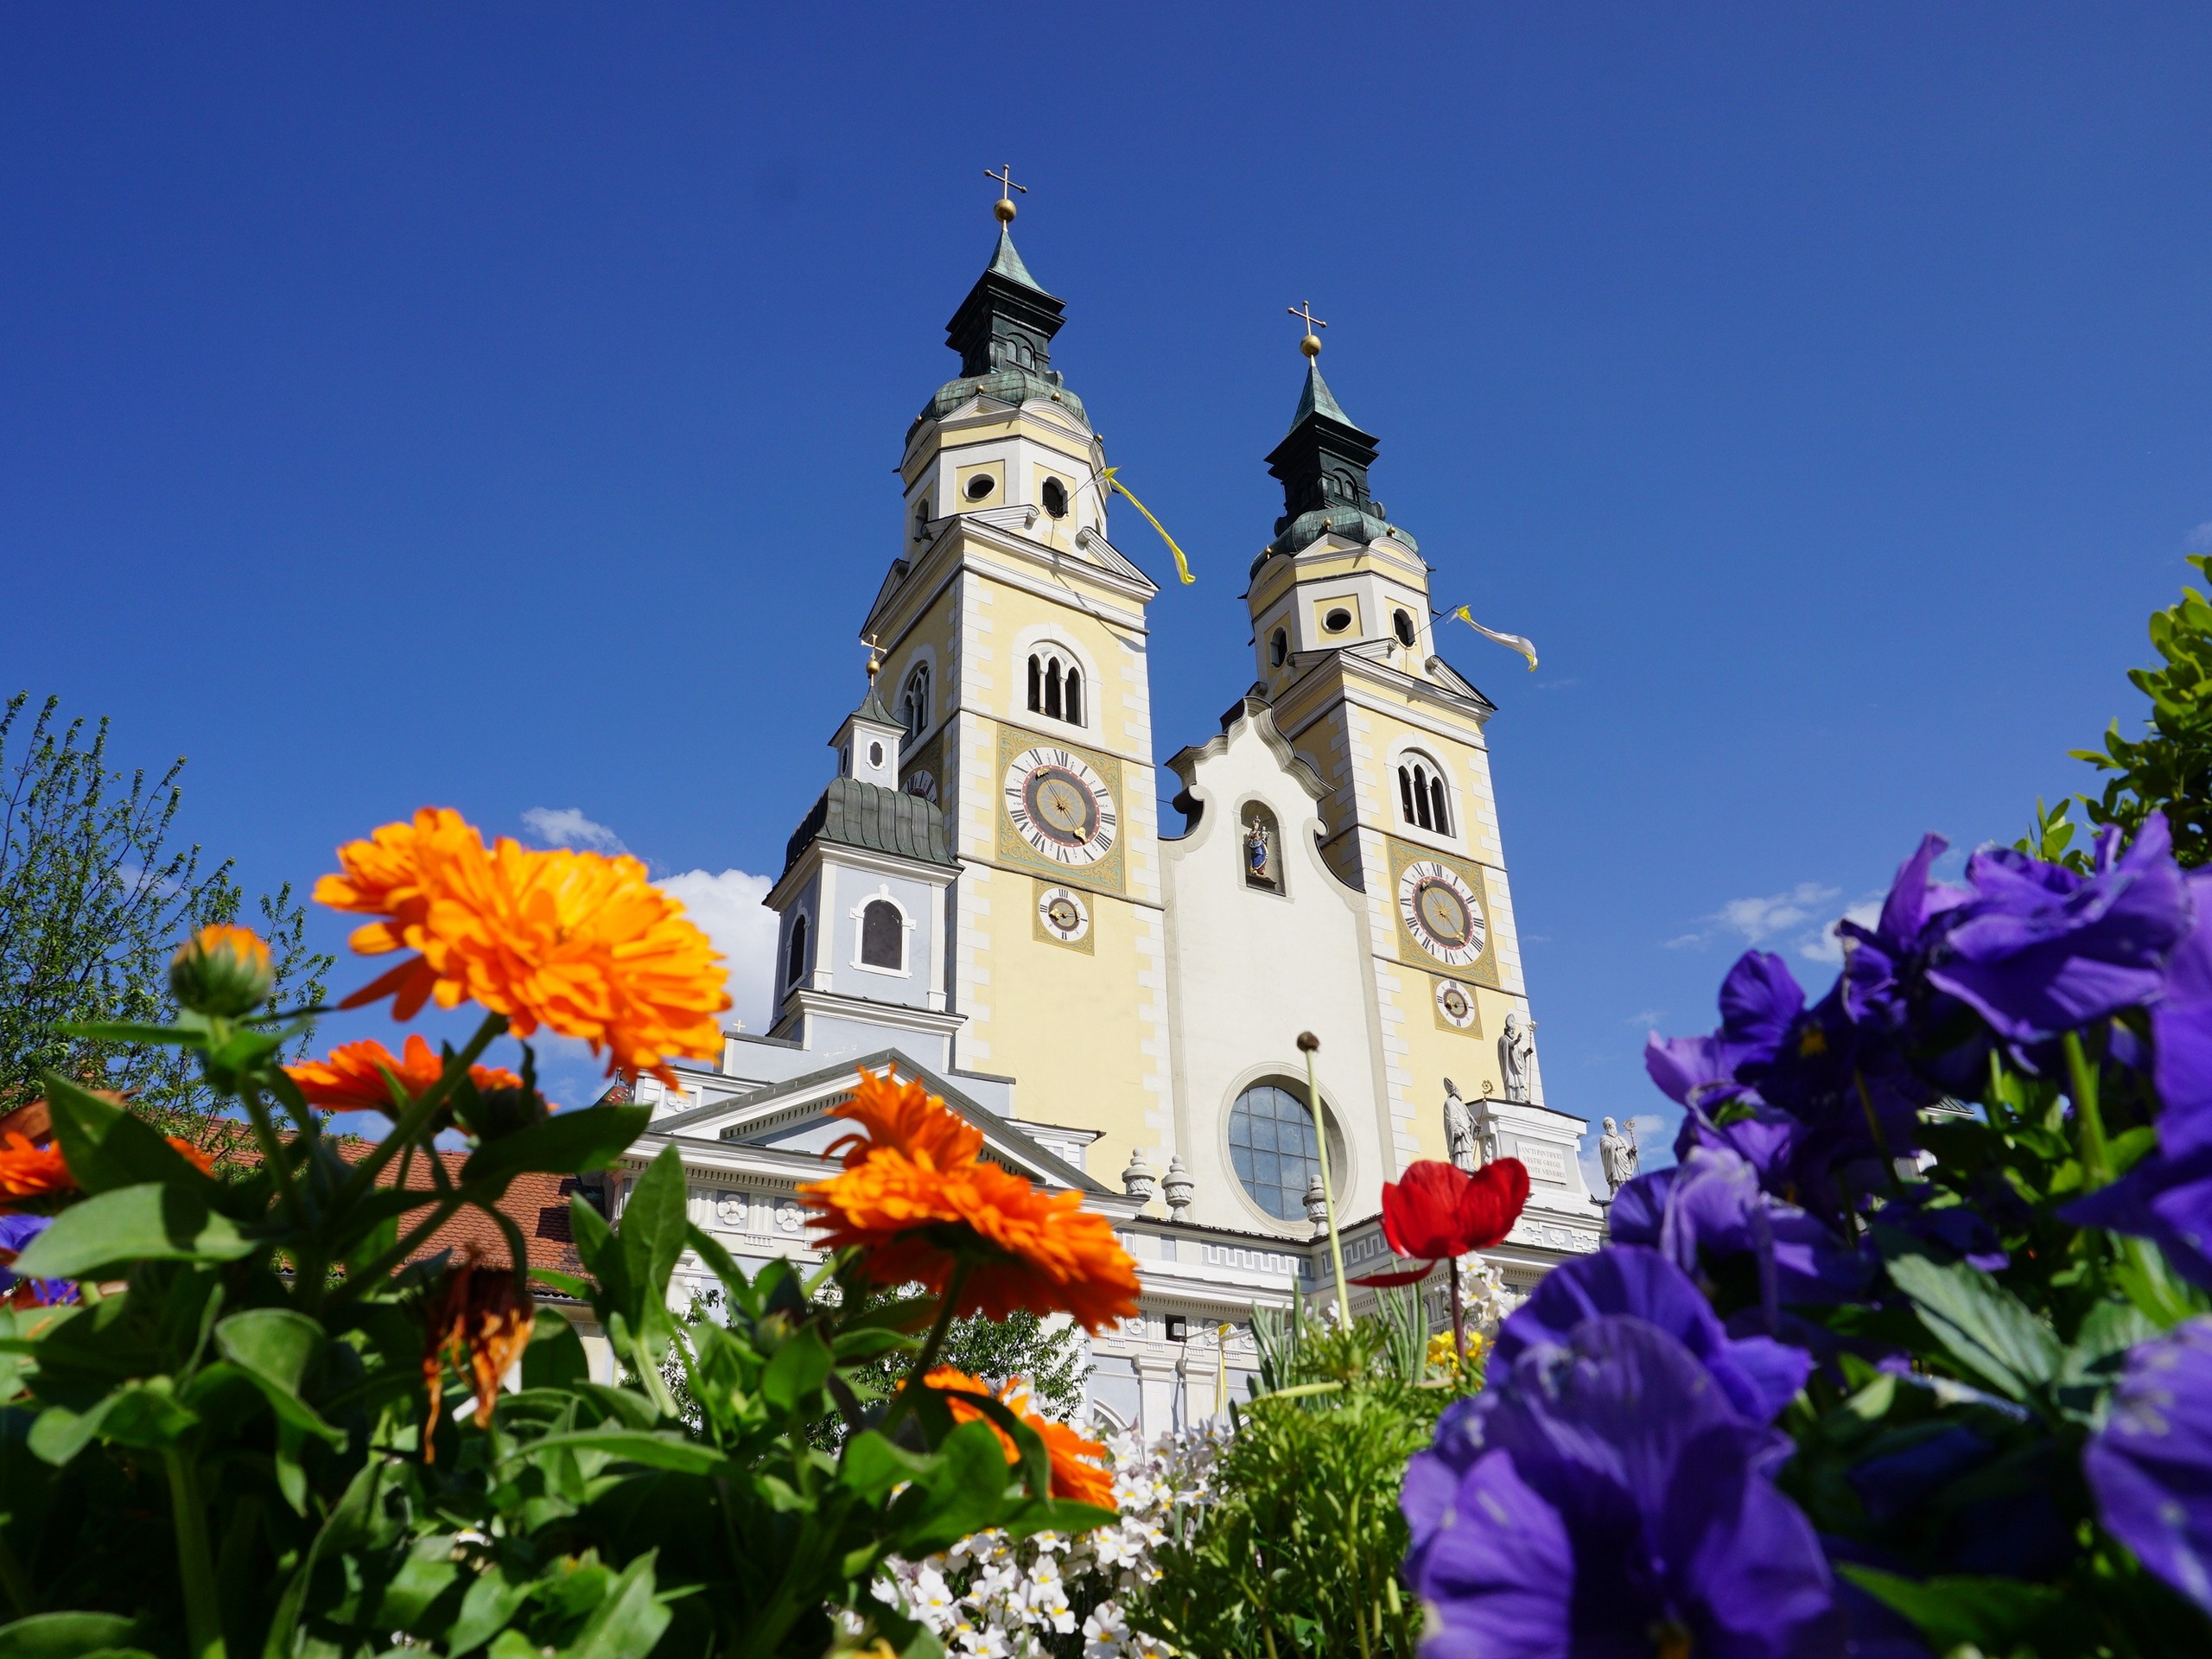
x=1004, y=206
x=875, y=656
x=1312, y=344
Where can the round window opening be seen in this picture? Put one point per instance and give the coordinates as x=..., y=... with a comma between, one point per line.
x=1272, y=1148
x=981, y=485
x=875, y=754
x=1056, y=498
x=1278, y=648
x=1404, y=624
x=1337, y=621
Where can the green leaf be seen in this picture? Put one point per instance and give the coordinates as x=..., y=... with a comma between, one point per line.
x=139, y=1414
x=653, y=1226
x=659, y=1450
x=1029, y=1445
x=65, y=1636
x=122, y=1031
x=556, y=1356
x=796, y=1372
x=1998, y=1616
x=565, y=1144
x=109, y=1148
x=629, y=1620
x=152, y=1223
x=274, y=1347
x=1989, y=1331
x=485, y=1611
x=872, y=1465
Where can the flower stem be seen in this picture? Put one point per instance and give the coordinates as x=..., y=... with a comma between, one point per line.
x=21, y=1596
x=203, y=1619
x=273, y=1151
x=1458, y=1317
x=1311, y=1045
x=934, y=1345
x=2090, y=1123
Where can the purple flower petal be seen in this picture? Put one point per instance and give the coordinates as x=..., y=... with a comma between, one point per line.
x=2151, y=1465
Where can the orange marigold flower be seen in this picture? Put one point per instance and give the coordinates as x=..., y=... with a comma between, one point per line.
x=916, y=1219
x=354, y=1076
x=581, y=943
x=1079, y=1469
x=204, y=1162
x=480, y=1324
x=908, y=1117
x=27, y=1171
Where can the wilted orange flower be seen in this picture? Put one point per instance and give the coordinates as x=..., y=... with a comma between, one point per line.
x=352, y=1078
x=916, y=1219
x=1079, y=1469
x=480, y=1324
x=577, y=942
x=31, y=1171
x=906, y=1117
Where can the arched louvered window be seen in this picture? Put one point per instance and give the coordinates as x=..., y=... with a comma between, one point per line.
x=1055, y=685
x=914, y=702
x=1421, y=796
x=795, y=966
x=883, y=935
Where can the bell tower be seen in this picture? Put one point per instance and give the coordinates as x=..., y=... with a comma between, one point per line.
x=1014, y=660
x=1342, y=623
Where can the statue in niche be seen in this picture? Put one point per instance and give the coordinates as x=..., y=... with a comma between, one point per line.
x=1517, y=1056
x=1461, y=1139
x=1259, y=851
x=1618, y=1155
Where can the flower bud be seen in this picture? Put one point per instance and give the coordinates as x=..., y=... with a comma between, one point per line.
x=221, y=970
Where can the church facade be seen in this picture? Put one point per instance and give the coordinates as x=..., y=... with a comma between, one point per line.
x=982, y=897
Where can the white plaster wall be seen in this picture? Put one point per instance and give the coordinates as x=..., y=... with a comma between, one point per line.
x=1250, y=969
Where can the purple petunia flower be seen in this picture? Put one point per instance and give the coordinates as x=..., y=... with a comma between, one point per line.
x=2181, y=1031
x=17, y=1232
x=1757, y=1374
x=2040, y=949
x=1711, y=1207
x=2165, y=1199
x=1609, y=1499
x=2151, y=1465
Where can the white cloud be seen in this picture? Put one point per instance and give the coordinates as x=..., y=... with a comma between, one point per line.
x=1757, y=920
x=1647, y=1018
x=2200, y=539
x=1825, y=946
x=727, y=907
x=567, y=826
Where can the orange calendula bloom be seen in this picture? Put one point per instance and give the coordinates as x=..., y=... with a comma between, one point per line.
x=480, y=1324
x=904, y=1116
x=918, y=1202
x=578, y=942
x=353, y=1077
x=222, y=969
x=1079, y=1469
x=29, y=1171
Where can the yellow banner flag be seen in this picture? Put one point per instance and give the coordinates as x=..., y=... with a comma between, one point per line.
x=1182, y=564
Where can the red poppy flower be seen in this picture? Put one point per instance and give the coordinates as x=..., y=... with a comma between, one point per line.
x=1438, y=1212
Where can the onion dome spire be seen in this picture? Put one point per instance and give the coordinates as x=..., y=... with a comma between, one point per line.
x=1322, y=464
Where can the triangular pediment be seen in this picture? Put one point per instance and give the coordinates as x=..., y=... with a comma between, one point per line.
x=794, y=1117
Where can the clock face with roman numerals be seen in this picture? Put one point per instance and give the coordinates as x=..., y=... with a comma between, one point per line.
x=1440, y=911
x=1060, y=806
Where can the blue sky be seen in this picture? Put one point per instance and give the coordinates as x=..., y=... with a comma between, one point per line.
x=496, y=406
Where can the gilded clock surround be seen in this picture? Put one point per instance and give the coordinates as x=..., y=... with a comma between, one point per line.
x=1104, y=875
x=1482, y=970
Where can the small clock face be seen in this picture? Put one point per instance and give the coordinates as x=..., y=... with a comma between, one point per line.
x=1456, y=1003
x=1440, y=911
x=1063, y=912
x=921, y=782
x=1060, y=806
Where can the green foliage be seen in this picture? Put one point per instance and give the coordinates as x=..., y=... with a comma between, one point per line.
x=93, y=902
x=2168, y=768
x=232, y=1450
x=1301, y=1552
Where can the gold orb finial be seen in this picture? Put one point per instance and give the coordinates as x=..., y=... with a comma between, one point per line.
x=1304, y=311
x=874, y=658
x=1004, y=206
x=1311, y=344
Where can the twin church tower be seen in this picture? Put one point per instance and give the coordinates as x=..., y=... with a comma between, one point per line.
x=983, y=899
